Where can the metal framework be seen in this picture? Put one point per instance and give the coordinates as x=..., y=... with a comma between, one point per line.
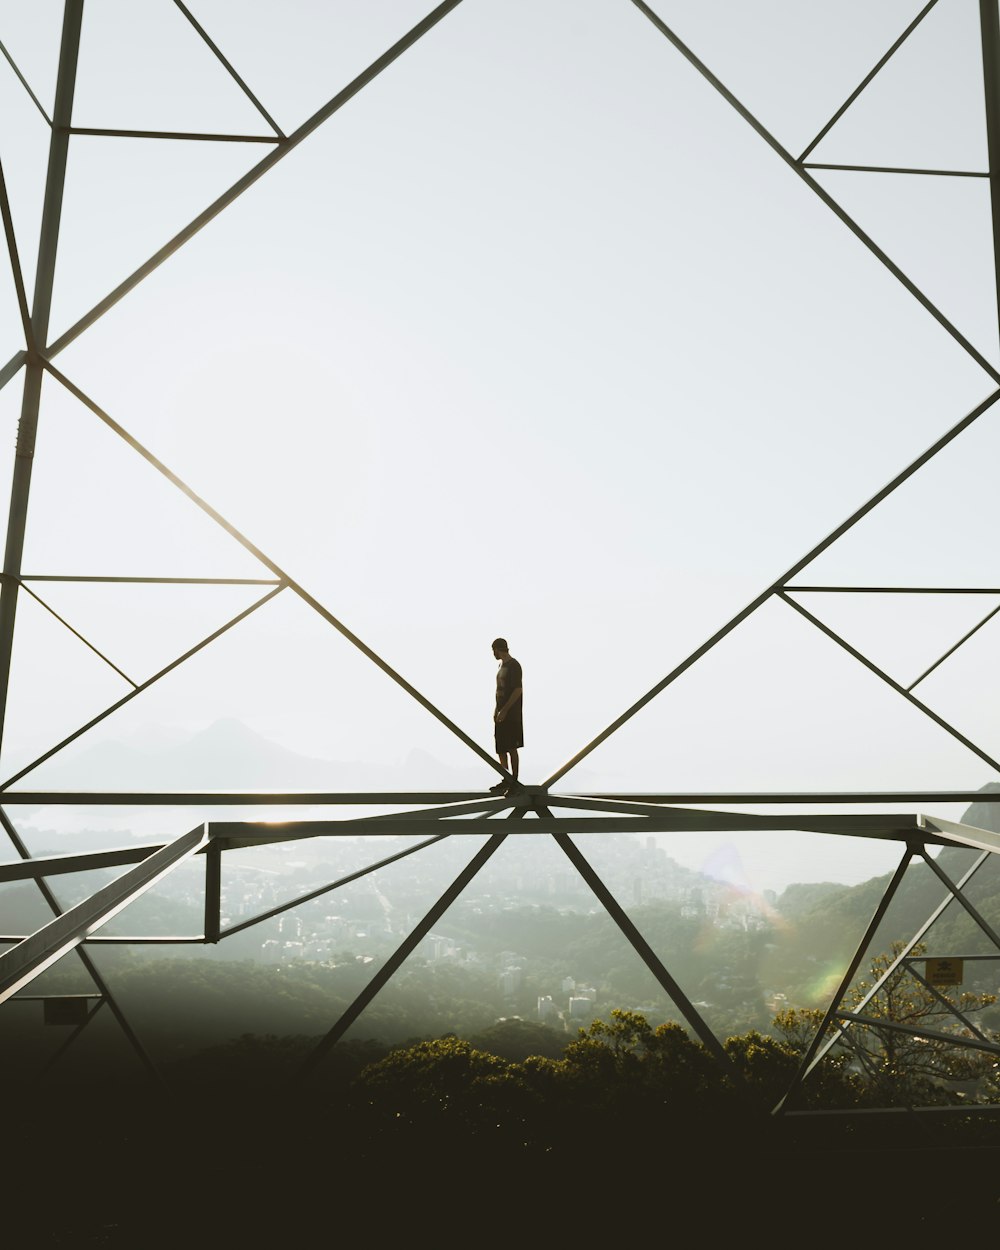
x=428, y=817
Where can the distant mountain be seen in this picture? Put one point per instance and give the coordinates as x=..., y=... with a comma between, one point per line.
x=984, y=815
x=228, y=755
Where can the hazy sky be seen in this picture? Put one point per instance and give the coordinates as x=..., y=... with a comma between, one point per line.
x=534, y=337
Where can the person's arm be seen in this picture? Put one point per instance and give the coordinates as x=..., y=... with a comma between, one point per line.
x=515, y=695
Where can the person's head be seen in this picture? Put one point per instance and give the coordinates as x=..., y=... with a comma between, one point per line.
x=499, y=648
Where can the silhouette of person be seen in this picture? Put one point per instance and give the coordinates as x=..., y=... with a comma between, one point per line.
x=508, y=729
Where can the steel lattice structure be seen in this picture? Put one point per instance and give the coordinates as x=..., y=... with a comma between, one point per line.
x=569, y=817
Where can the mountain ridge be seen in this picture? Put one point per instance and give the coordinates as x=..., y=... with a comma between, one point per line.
x=228, y=755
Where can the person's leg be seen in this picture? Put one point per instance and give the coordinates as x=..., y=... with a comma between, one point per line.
x=513, y=762
x=501, y=784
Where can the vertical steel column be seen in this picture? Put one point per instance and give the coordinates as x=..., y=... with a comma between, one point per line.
x=41, y=307
x=989, y=25
x=213, y=891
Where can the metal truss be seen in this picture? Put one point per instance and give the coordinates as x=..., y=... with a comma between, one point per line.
x=432, y=816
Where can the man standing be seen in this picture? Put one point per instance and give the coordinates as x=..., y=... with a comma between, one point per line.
x=507, y=726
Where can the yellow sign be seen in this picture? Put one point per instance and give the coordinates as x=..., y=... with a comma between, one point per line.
x=944, y=971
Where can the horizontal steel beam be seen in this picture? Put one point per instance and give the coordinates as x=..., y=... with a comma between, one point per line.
x=897, y=169
x=237, y=798
x=44, y=998
x=54, y=865
x=190, y=135
x=139, y=939
x=20, y=965
x=892, y=826
x=966, y=835
x=919, y=798
x=155, y=581
x=417, y=798
x=920, y=959
x=894, y=1026
x=894, y=590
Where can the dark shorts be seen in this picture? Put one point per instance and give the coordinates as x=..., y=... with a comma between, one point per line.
x=508, y=734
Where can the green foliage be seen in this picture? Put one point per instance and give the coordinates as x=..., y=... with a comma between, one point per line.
x=901, y=1053
x=616, y=1075
x=769, y=1066
x=908, y=1068
x=436, y=1073
x=517, y=1039
x=798, y=1025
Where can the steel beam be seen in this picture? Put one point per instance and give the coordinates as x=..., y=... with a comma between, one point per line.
x=56, y=865
x=233, y=798
x=951, y=650
x=799, y=169
x=89, y=966
x=879, y=64
x=989, y=25
x=962, y=835
x=15, y=264
x=644, y=951
x=25, y=84
x=920, y=798
x=780, y=582
x=229, y=69
x=157, y=581
x=888, y=894
x=76, y=634
x=333, y=885
x=20, y=965
x=904, y=954
x=124, y=939
x=137, y=690
x=213, y=890
x=233, y=833
x=945, y=1002
x=894, y=590
x=252, y=175
x=897, y=169
x=13, y=366
x=405, y=949
x=960, y=898
x=24, y=454
x=388, y=798
x=889, y=681
x=187, y=135
x=876, y=825
x=895, y=1026
x=285, y=579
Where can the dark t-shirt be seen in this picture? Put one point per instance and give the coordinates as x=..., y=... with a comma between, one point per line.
x=508, y=680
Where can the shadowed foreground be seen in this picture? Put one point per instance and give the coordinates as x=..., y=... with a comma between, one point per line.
x=256, y=1171
x=442, y=1138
